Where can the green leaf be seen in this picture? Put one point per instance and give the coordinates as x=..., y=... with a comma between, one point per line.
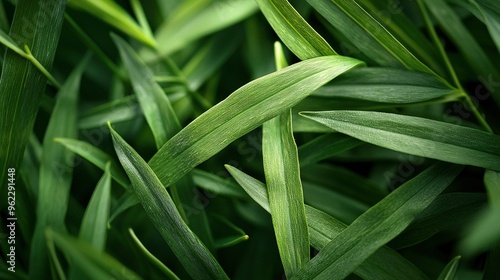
x=416, y=136
x=95, y=220
x=378, y=225
x=21, y=84
x=343, y=181
x=154, y=103
x=293, y=30
x=119, y=110
x=484, y=232
x=93, y=263
x=325, y=146
x=96, y=156
x=113, y=14
x=393, y=16
x=217, y=184
x=449, y=271
x=241, y=112
x=338, y=205
x=158, y=205
x=163, y=122
x=210, y=57
x=387, y=85
x=492, y=182
x=323, y=228
x=368, y=34
x=56, y=169
x=286, y=199
x=199, y=18
x=168, y=273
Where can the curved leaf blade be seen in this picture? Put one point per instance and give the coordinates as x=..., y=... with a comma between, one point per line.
x=160, y=208
x=245, y=109
x=379, y=224
x=417, y=136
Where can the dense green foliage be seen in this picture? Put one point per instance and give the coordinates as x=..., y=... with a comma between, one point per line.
x=250, y=139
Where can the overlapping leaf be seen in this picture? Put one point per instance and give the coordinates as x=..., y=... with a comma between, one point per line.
x=416, y=136
x=378, y=225
x=242, y=111
x=200, y=18
x=56, y=169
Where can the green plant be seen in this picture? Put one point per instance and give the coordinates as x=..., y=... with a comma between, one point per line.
x=148, y=139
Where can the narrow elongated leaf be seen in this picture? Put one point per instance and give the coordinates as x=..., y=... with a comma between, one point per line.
x=112, y=13
x=97, y=157
x=449, y=271
x=153, y=101
x=387, y=85
x=323, y=228
x=286, y=199
x=416, y=136
x=242, y=111
x=367, y=33
x=93, y=228
x=378, y=225
x=175, y=34
x=56, y=170
x=94, y=264
x=163, y=122
x=158, y=205
x=393, y=16
x=21, y=84
x=293, y=30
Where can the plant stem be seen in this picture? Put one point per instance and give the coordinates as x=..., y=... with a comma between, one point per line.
x=40, y=67
x=453, y=74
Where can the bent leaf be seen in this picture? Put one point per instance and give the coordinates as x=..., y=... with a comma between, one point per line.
x=323, y=228
x=160, y=208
